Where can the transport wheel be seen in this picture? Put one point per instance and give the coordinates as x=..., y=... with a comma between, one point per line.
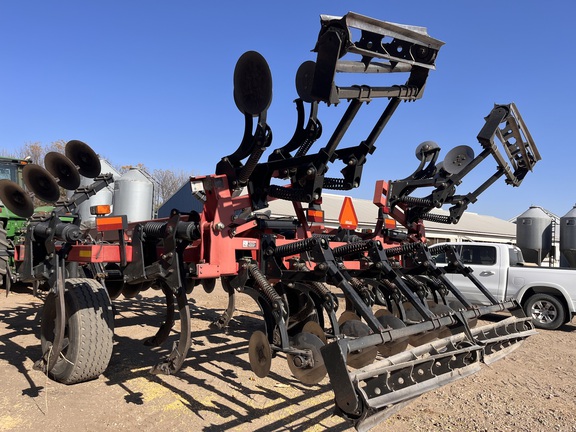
x=547, y=311
x=88, y=335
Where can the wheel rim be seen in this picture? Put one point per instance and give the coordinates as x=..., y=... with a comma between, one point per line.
x=544, y=311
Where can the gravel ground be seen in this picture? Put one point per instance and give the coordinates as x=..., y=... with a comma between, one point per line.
x=529, y=390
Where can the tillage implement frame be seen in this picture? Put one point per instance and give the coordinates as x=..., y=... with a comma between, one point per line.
x=369, y=309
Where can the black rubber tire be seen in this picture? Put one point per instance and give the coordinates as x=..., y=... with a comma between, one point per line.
x=88, y=335
x=547, y=312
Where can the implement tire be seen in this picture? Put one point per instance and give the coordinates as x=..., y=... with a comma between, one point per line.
x=88, y=335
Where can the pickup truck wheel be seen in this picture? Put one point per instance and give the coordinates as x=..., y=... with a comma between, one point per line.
x=547, y=311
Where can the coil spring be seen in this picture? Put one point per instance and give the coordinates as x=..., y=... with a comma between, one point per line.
x=402, y=250
x=319, y=289
x=415, y=282
x=296, y=247
x=350, y=248
x=323, y=292
x=333, y=183
x=363, y=290
x=251, y=163
x=439, y=286
x=265, y=288
x=437, y=218
x=288, y=194
x=304, y=147
x=434, y=250
x=357, y=284
x=389, y=285
x=327, y=237
x=184, y=230
x=154, y=229
x=424, y=202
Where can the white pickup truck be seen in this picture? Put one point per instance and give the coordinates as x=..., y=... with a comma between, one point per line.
x=547, y=294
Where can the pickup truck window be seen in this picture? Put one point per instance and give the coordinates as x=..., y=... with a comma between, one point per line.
x=515, y=256
x=478, y=255
x=440, y=258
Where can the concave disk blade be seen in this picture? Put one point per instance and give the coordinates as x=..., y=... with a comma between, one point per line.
x=260, y=354
x=314, y=328
x=308, y=375
x=364, y=357
x=388, y=320
x=348, y=316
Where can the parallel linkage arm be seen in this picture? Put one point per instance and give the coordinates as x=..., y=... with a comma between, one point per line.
x=402, y=49
x=505, y=124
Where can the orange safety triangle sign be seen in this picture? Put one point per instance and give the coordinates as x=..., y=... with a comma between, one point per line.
x=348, y=218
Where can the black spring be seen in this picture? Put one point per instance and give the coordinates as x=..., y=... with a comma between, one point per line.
x=357, y=284
x=323, y=292
x=363, y=290
x=333, y=183
x=350, y=248
x=389, y=285
x=401, y=250
x=184, y=230
x=251, y=163
x=154, y=229
x=304, y=147
x=295, y=248
x=435, y=250
x=437, y=218
x=288, y=194
x=327, y=237
x=262, y=283
x=319, y=289
x=419, y=285
x=424, y=202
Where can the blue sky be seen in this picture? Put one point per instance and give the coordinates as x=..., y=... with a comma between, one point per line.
x=151, y=82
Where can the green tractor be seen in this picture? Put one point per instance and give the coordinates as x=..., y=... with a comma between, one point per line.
x=48, y=185
x=11, y=225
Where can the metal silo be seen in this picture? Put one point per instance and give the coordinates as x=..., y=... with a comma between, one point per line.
x=568, y=237
x=102, y=197
x=133, y=196
x=534, y=234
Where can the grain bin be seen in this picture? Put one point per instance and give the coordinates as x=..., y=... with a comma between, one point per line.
x=568, y=237
x=534, y=234
x=133, y=196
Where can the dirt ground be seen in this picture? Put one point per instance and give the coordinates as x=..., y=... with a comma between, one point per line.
x=530, y=390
